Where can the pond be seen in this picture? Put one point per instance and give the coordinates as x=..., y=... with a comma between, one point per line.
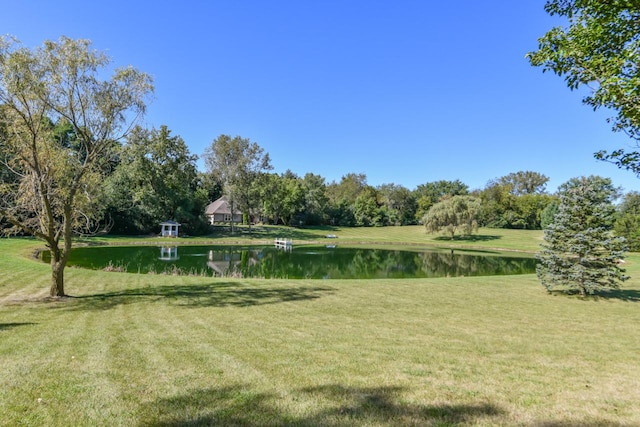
x=299, y=262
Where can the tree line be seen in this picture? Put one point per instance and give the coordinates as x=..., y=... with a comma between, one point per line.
x=155, y=177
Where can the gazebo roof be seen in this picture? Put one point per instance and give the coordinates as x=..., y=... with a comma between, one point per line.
x=169, y=222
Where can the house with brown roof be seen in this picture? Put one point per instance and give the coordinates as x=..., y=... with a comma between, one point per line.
x=220, y=211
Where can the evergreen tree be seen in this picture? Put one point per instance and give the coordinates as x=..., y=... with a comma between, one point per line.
x=548, y=214
x=581, y=253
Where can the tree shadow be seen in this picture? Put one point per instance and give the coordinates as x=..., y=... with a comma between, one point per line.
x=264, y=233
x=11, y=325
x=375, y=405
x=471, y=238
x=217, y=294
x=338, y=406
x=474, y=251
x=628, y=295
x=584, y=423
x=89, y=241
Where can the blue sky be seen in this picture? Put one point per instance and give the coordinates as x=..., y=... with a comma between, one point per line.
x=406, y=92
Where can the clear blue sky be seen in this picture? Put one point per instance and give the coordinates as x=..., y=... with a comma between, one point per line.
x=404, y=91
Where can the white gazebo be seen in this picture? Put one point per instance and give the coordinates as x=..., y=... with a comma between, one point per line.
x=169, y=228
x=169, y=253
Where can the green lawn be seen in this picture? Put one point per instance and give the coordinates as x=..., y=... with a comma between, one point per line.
x=521, y=240
x=154, y=350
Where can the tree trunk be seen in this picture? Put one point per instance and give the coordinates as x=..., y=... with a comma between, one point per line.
x=232, y=214
x=57, y=281
x=57, y=274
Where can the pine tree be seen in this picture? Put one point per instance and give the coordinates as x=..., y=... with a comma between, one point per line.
x=581, y=253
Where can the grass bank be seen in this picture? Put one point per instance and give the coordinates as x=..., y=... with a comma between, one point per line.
x=486, y=238
x=165, y=350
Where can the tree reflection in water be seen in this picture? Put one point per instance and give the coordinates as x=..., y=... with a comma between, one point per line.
x=312, y=262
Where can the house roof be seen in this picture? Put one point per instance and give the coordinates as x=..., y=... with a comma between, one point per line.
x=220, y=206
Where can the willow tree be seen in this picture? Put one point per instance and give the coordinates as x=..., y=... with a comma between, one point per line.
x=452, y=215
x=55, y=176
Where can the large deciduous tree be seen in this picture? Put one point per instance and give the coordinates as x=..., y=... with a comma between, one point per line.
x=315, y=199
x=282, y=197
x=155, y=180
x=58, y=176
x=452, y=215
x=428, y=194
x=367, y=209
x=514, y=201
x=399, y=204
x=580, y=252
x=237, y=163
x=342, y=198
x=627, y=222
x=525, y=182
x=600, y=50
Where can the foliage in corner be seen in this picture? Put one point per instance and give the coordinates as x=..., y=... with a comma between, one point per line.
x=600, y=50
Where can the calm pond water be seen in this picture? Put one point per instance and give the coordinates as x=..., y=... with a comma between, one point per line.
x=301, y=262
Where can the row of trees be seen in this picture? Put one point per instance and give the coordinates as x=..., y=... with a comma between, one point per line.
x=154, y=177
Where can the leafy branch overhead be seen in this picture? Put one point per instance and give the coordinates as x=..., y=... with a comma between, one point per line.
x=600, y=50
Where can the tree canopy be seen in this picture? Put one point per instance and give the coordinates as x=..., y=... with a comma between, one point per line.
x=432, y=192
x=627, y=222
x=155, y=180
x=599, y=50
x=452, y=215
x=62, y=123
x=525, y=182
x=237, y=163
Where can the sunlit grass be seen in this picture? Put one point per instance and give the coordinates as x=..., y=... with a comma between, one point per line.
x=522, y=240
x=149, y=350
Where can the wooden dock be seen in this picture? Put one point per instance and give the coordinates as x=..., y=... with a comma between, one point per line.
x=286, y=244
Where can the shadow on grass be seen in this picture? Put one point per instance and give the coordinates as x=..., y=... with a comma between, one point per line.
x=6, y=326
x=202, y=295
x=596, y=423
x=629, y=295
x=335, y=405
x=471, y=238
x=268, y=233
